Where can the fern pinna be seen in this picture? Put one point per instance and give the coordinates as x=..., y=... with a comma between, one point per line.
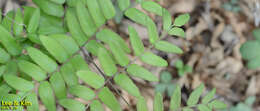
x=44, y=50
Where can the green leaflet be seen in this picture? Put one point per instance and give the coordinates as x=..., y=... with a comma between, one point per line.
x=153, y=59
x=152, y=31
x=0, y=16
x=187, y=109
x=78, y=63
x=9, y=42
x=107, y=35
x=141, y=104
x=4, y=56
x=92, y=47
x=118, y=53
x=141, y=72
x=136, y=15
x=54, y=48
x=18, y=83
x=96, y=106
x=32, y=97
x=72, y=105
x=127, y=84
x=96, y=12
x=136, y=41
x=167, y=20
x=177, y=32
x=32, y=70
x=254, y=63
x=216, y=104
x=68, y=74
x=72, y=3
x=107, y=97
x=50, y=7
x=58, y=1
x=4, y=89
x=203, y=107
x=152, y=7
x=11, y=67
x=34, y=21
x=28, y=11
x=58, y=85
x=7, y=21
x=18, y=27
x=82, y=92
x=74, y=27
x=107, y=8
x=250, y=54
x=106, y=62
x=195, y=95
x=158, y=102
x=168, y=47
x=94, y=80
x=34, y=38
x=42, y=60
x=209, y=96
x=67, y=43
x=181, y=20
x=47, y=96
x=86, y=22
x=2, y=69
x=123, y=4
x=176, y=99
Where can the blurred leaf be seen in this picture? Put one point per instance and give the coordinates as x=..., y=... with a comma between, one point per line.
x=141, y=72
x=32, y=70
x=152, y=7
x=96, y=12
x=92, y=47
x=195, y=95
x=158, y=102
x=107, y=8
x=74, y=27
x=181, y=20
x=141, y=104
x=136, y=41
x=9, y=42
x=4, y=56
x=203, y=107
x=170, y=89
x=72, y=105
x=107, y=97
x=86, y=22
x=152, y=31
x=127, y=84
x=153, y=59
x=256, y=34
x=187, y=109
x=82, y=92
x=161, y=88
x=167, y=20
x=50, y=8
x=179, y=64
x=18, y=24
x=250, y=100
x=106, y=62
x=46, y=95
x=248, y=50
x=42, y=60
x=7, y=21
x=216, y=104
x=165, y=77
x=176, y=99
x=18, y=83
x=168, y=47
x=119, y=53
x=94, y=80
x=78, y=63
x=177, y=32
x=68, y=74
x=123, y=4
x=58, y=1
x=209, y=96
x=96, y=106
x=54, y=48
x=58, y=85
x=136, y=15
x=254, y=63
x=32, y=97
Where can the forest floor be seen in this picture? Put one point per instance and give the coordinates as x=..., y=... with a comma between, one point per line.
x=211, y=48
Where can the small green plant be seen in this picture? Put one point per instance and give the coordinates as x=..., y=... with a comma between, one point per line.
x=250, y=51
x=243, y=106
x=232, y=5
x=53, y=44
x=182, y=69
x=165, y=85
